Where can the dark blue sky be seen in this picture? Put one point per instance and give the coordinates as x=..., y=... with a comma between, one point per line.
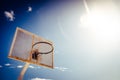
x=80, y=53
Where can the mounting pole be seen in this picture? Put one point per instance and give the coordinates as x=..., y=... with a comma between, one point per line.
x=23, y=71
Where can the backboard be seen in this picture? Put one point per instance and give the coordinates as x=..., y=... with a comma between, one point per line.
x=30, y=48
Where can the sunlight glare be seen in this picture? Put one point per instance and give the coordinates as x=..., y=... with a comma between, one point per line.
x=104, y=21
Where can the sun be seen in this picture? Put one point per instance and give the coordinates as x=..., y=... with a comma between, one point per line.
x=104, y=20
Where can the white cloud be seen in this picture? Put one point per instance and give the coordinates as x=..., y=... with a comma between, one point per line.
x=29, y=9
x=8, y=64
x=31, y=67
x=61, y=68
x=40, y=79
x=10, y=15
x=19, y=66
x=0, y=66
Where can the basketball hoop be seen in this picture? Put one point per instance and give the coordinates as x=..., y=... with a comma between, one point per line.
x=46, y=44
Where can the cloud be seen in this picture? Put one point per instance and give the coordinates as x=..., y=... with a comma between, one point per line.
x=8, y=64
x=0, y=66
x=40, y=79
x=19, y=66
x=61, y=68
x=10, y=15
x=31, y=67
x=29, y=9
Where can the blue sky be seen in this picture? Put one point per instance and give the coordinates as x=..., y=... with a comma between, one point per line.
x=79, y=53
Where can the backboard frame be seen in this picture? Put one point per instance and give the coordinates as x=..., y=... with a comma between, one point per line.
x=27, y=61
